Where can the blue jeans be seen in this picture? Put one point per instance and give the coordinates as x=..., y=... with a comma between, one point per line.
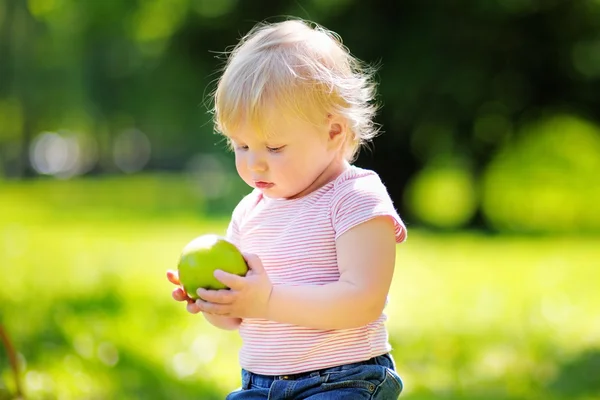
x=374, y=379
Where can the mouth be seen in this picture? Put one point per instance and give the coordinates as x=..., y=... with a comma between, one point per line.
x=263, y=185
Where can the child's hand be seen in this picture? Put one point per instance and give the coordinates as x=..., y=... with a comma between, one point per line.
x=179, y=294
x=247, y=297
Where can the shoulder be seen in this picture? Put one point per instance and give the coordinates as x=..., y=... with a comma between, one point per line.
x=245, y=205
x=359, y=195
x=358, y=181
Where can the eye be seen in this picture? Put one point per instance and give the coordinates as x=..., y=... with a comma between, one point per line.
x=275, y=149
x=241, y=147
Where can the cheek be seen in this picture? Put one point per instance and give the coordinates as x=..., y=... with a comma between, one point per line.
x=283, y=165
x=298, y=169
x=240, y=164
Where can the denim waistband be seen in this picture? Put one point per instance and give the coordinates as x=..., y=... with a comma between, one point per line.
x=384, y=360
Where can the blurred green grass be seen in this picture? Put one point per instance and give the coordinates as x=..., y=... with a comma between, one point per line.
x=85, y=299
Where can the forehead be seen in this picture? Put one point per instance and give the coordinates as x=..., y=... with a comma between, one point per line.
x=273, y=129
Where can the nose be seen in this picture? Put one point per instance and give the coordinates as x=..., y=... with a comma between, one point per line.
x=256, y=163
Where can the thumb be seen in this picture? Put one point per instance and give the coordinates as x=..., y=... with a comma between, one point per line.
x=254, y=262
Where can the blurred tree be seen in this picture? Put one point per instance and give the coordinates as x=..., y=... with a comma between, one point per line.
x=458, y=80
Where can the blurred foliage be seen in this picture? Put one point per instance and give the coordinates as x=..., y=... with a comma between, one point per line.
x=442, y=195
x=472, y=94
x=85, y=298
x=108, y=197
x=546, y=180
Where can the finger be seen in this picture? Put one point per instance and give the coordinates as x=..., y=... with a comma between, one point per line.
x=173, y=277
x=253, y=261
x=223, y=296
x=180, y=295
x=193, y=308
x=232, y=281
x=212, y=308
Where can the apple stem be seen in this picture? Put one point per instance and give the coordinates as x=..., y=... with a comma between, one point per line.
x=12, y=359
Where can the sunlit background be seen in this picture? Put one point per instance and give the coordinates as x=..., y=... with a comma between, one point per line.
x=109, y=166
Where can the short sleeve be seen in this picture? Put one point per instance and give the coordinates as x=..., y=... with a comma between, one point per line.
x=233, y=233
x=360, y=199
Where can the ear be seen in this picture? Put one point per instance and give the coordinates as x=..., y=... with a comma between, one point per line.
x=337, y=130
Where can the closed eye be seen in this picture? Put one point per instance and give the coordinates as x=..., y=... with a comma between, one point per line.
x=275, y=149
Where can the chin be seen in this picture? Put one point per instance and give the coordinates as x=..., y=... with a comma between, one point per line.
x=274, y=194
x=277, y=194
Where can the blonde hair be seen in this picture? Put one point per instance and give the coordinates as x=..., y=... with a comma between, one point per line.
x=300, y=70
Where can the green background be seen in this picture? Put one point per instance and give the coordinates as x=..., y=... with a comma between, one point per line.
x=109, y=166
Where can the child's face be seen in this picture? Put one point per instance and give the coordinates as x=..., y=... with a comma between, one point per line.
x=291, y=163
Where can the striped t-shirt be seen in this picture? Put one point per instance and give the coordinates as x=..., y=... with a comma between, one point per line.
x=295, y=239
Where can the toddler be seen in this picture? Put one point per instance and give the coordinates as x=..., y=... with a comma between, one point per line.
x=318, y=233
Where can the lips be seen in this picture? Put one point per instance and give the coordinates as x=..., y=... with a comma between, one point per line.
x=263, y=185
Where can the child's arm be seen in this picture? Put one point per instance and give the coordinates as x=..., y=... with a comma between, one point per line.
x=366, y=258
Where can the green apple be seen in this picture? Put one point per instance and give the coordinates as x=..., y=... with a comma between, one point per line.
x=202, y=256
